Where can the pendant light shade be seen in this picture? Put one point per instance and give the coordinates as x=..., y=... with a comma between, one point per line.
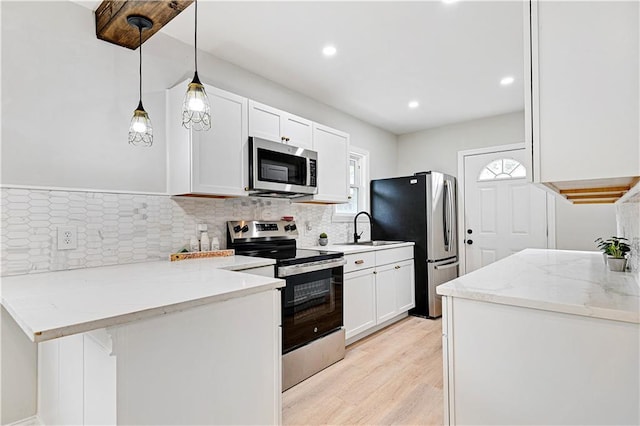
x=196, y=111
x=140, y=129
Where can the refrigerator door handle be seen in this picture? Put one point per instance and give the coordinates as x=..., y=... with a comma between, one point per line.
x=446, y=266
x=451, y=213
x=445, y=214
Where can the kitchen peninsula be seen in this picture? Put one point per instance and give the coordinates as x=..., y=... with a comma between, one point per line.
x=155, y=343
x=542, y=337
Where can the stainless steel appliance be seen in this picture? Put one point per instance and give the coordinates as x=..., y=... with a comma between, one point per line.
x=281, y=170
x=420, y=208
x=312, y=312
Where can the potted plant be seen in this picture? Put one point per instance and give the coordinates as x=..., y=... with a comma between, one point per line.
x=323, y=240
x=616, y=249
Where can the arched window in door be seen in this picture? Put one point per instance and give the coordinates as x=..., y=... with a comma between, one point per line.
x=503, y=168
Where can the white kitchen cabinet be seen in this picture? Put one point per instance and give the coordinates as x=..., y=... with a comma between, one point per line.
x=583, y=106
x=360, y=301
x=209, y=162
x=395, y=289
x=202, y=365
x=509, y=365
x=386, y=306
x=378, y=289
x=332, y=147
x=279, y=126
x=405, y=286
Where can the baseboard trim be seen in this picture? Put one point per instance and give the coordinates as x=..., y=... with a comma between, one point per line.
x=378, y=327
x=29, y=421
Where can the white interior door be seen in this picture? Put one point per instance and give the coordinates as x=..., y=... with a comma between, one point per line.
x=503, y=213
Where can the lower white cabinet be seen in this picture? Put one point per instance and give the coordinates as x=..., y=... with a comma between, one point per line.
x=395, y=288
x=511, y=365
x=382, y=289
x=203, y=365
x=359, y=301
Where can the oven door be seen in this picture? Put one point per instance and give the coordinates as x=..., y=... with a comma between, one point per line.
x=311, y=306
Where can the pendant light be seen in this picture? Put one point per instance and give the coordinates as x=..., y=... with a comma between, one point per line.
x=196, y=111
x=140, y=129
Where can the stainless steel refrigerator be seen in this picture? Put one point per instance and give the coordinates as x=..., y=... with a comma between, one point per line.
x=423, y=209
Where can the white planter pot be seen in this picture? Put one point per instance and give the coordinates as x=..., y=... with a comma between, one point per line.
x=617, y=265
x=323, y=241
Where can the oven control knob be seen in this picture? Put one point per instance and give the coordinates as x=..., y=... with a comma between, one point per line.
x=237, y=229
x=293, y=227
x=287, y=227
x=245, y=228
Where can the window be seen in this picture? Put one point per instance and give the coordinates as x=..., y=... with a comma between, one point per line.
x=504, y=168
x=358, y=186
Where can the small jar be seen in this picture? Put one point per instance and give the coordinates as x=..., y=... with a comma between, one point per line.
x=205, y=244
x=194, y=245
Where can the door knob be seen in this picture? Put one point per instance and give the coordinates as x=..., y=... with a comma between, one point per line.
x=469, y=231
x=469, y=242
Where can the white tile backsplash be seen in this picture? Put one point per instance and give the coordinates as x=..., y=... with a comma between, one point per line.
x=126, y=228
x=628, y=220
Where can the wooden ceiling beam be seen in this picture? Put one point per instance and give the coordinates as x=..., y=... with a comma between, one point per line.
x=111, y=19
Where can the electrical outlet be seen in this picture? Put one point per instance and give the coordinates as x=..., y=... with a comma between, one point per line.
x=67, y=237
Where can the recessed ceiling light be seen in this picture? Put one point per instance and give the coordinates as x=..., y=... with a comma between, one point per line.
x=414, y=104
x=329, y=50
x=507, y=81
x=449, y=1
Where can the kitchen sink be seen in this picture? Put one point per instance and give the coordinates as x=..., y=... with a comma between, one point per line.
x=371, y=243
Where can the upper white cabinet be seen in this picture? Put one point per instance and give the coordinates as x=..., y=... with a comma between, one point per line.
x=209, y=162
x=333, y=159
x=279, y=126
x=582, y=109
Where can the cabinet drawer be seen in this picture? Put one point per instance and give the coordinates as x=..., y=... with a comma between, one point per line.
x=358, y=261
x=384, y=257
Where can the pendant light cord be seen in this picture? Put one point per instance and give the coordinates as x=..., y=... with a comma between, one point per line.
x=195, y=38
x=140, y=28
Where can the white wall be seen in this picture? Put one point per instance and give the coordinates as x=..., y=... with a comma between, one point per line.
x=68, y=97
x=437, y=149
x=577, y=225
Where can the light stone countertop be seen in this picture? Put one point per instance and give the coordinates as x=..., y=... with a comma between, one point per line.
x=573, y=282
x=359, y=248
x=55, y=304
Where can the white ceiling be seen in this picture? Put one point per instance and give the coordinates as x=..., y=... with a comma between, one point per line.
x=449, y=57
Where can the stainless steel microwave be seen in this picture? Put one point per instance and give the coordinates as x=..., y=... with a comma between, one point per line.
x=281, y=170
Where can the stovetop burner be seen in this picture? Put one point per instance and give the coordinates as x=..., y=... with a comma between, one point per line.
x=273, y=240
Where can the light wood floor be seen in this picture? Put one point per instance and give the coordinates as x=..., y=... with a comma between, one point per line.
x=391, y=377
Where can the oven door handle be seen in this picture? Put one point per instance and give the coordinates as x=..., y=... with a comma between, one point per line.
x=303, y=268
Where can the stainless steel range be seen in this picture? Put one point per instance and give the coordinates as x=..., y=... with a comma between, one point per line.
x=312, y=317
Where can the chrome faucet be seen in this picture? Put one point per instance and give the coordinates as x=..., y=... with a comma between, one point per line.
x=356, y=236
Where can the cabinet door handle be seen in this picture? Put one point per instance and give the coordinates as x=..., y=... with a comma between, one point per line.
x=375, y=272
x=397, y=267
x=359, y=262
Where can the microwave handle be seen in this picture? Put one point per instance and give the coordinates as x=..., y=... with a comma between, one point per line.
x=309, y=176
